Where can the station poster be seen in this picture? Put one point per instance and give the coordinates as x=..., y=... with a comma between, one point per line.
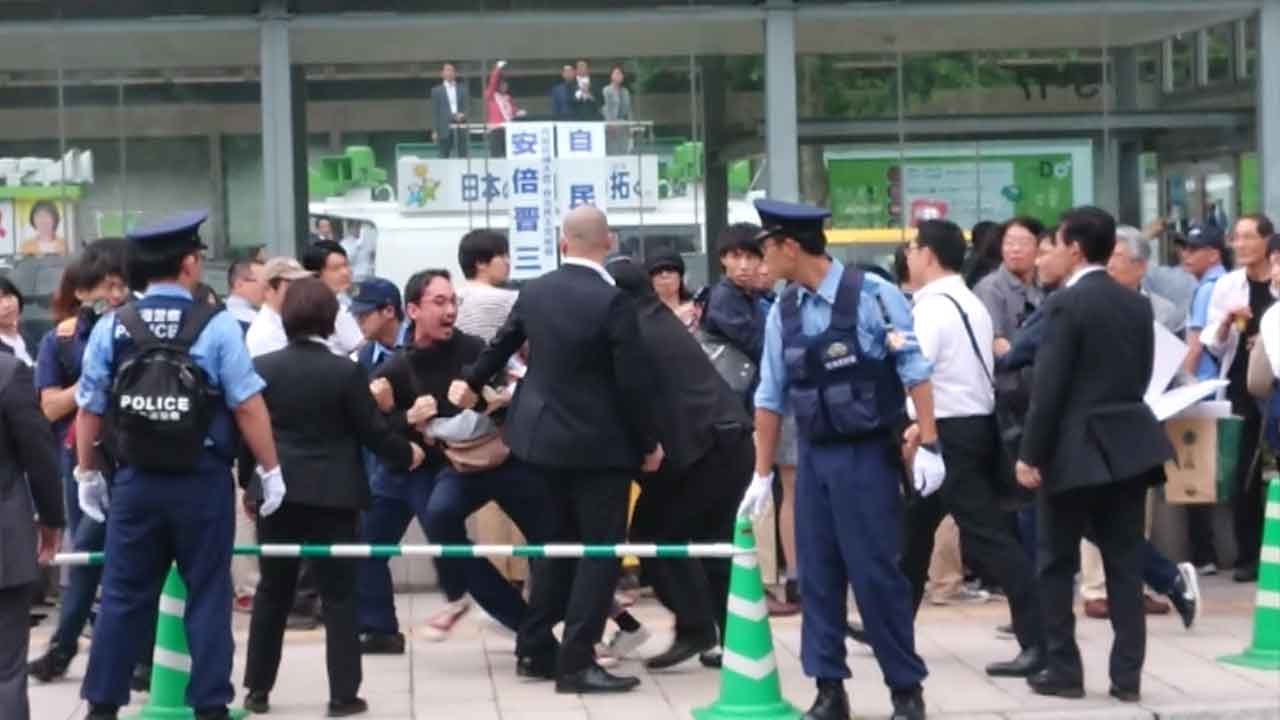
x=962, y=182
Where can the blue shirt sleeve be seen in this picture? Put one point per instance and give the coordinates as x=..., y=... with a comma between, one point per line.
x=229, y=355
x=913, y=367
x=95, y=371
x=1198, y=315
x=770, y=393
x=48, y=368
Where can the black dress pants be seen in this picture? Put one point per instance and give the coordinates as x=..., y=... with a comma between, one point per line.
x=1249, y=505
x=986, y=534
x=336, y=578
x=589, y=507
x=1115, y=512
x=698, y=504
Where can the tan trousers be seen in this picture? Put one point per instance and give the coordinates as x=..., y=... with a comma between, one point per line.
x=946, y=568
x=490, y=526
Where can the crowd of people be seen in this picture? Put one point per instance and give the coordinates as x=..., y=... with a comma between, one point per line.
x=961, y=412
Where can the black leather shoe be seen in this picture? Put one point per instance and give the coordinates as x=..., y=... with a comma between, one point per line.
x=908, y=705
x=50, y=666
x=593, y=680
x=857, y=633
x=382, y=644
x=832, y=702
x=1245, y=573
x=1046, y=682
x=1123, y=695
x=347, y=708
x=537, y=667
x=255, y=701
x=713, y=659
x=102, y=712
x=682, y=649
x=1028, y=662
x=140, y=681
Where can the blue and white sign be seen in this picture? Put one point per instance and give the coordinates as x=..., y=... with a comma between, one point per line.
x=532, y=179
x=579, y=140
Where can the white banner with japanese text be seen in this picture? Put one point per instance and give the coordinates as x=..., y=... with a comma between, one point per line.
x=532, y=229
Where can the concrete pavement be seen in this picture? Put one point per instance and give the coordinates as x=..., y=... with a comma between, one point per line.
x=472, y=675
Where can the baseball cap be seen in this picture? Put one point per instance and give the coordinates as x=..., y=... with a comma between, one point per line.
x=1201, y=236
x=283, y=268
x=373, y=293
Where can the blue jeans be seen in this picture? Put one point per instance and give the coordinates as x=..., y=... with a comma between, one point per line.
x=522, y=494
x=385, y=523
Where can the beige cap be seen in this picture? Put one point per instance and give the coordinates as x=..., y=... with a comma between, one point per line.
x=283, y=268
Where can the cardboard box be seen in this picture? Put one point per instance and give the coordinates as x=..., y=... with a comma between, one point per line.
x=1206, y=453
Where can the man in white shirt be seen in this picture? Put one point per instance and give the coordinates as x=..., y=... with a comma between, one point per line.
x=360, y=242
x=449, y=108
x=266, y=332
x=955, y=333
x=328, y=261
x=245, y=291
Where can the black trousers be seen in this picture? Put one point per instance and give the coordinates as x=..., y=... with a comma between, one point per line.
x=15, y=637
x=1115, y=512
x=296, y=523
x=697, y=504
x=986, y=533
x=452, y=143
x=1249, y=504
x=590, y=507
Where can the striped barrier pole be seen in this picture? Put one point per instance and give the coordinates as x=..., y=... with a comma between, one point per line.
x=690, y=550
x=1264, y=652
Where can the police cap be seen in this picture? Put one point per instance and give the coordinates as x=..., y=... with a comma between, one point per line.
x=173, y=235
x=802, y=222
x=373, y=293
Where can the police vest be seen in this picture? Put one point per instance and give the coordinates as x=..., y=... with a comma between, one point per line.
x=837, y=392
x=164, y=316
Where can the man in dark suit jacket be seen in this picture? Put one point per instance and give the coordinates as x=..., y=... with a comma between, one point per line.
x=561, y=92
x=1092, y=447
x=27, y=448
x=449, y=106
x=583, y=416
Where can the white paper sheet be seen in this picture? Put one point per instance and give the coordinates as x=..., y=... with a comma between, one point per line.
x=1169, y=354
x=1188, y=397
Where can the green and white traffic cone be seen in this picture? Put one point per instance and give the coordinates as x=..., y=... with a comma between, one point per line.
x=171, y=662
x=749, y=686
x=1264, y=652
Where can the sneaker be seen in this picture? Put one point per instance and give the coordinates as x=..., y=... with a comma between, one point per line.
x=713, y=658
x=1185, y=595
x=964, y=596
x=439, y=626
x=50, y=666
x=624, y=643
x=1207, y=569
x=1005, y=631
x=603, y=658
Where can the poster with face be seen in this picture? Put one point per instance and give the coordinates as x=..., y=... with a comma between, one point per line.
x=8, y=228
x=42, y=227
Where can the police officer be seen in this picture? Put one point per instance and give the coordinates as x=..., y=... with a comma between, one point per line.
x=158, y=517
x=839, y=351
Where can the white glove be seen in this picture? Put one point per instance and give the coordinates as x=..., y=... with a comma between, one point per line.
x=272, y=490
x=759, y=496
x=92, y=493
x=928, y=472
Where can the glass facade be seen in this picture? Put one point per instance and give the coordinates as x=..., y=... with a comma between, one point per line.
x=113, y=115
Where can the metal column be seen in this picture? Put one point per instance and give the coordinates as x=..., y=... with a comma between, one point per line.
x=1268, y=91
x=780, y=109
x=278, y=223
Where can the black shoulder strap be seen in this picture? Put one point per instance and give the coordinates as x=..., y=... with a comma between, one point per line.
x=128, y=316
x=8, y=364
x=789, y=310
x=973, y=341
x=844, y=313
x=194, y=320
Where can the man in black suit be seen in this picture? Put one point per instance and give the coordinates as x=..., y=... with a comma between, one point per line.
x=28, y=457
x=449, y=106
x=1092, y=447
x=583, y=416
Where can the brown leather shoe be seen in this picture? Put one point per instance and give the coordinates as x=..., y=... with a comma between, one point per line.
x=780, y=608
x=1153, y=606
x=1097, y=609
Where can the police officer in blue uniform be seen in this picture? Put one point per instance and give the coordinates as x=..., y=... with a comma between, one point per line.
x=839, y=351
x=159, y=517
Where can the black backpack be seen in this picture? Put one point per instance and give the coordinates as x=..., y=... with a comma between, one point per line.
x=161, y=402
